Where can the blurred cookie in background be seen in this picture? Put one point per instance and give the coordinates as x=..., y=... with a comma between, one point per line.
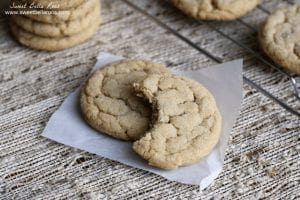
x=54, y=30
x=216, y=9
x=279, y=38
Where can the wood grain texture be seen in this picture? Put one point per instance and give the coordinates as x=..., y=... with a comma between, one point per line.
x=262, y=159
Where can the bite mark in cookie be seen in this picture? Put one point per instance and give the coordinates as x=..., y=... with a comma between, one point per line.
x=109, y=103
x=187, y=124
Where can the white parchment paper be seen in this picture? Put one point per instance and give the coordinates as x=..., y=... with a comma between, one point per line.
x=225, y=81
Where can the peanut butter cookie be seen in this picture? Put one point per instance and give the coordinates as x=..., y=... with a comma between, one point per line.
x=280, y=38
x=65, y=28
x=70, y=14
x=187, y=122
x=53, y=43
x=109, y=103
x=216, y=9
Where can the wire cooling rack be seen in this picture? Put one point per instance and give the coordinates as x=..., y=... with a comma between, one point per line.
x=292, y=104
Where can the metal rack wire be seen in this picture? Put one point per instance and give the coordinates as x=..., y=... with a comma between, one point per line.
x=294, y=80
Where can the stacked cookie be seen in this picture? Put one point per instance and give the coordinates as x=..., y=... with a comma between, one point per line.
x=173, y=120
x=56, y=25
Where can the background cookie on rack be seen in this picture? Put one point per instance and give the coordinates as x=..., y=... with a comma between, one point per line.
x=216, y=9
x=279, y=38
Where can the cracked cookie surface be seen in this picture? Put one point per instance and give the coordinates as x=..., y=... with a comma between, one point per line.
x=280, y=38
x=109, y=103
x=65, y=28
x=187, y=122
x=216, y=9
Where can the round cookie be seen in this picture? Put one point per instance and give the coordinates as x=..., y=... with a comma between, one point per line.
x=187, y=121
x=57, y=4
x=216, y=9
x=110, y=105
x=66, y=28
x=279, y=38
x=53, y=43
x=71, y=14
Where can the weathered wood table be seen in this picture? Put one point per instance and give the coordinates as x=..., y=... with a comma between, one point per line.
x=263, y=156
